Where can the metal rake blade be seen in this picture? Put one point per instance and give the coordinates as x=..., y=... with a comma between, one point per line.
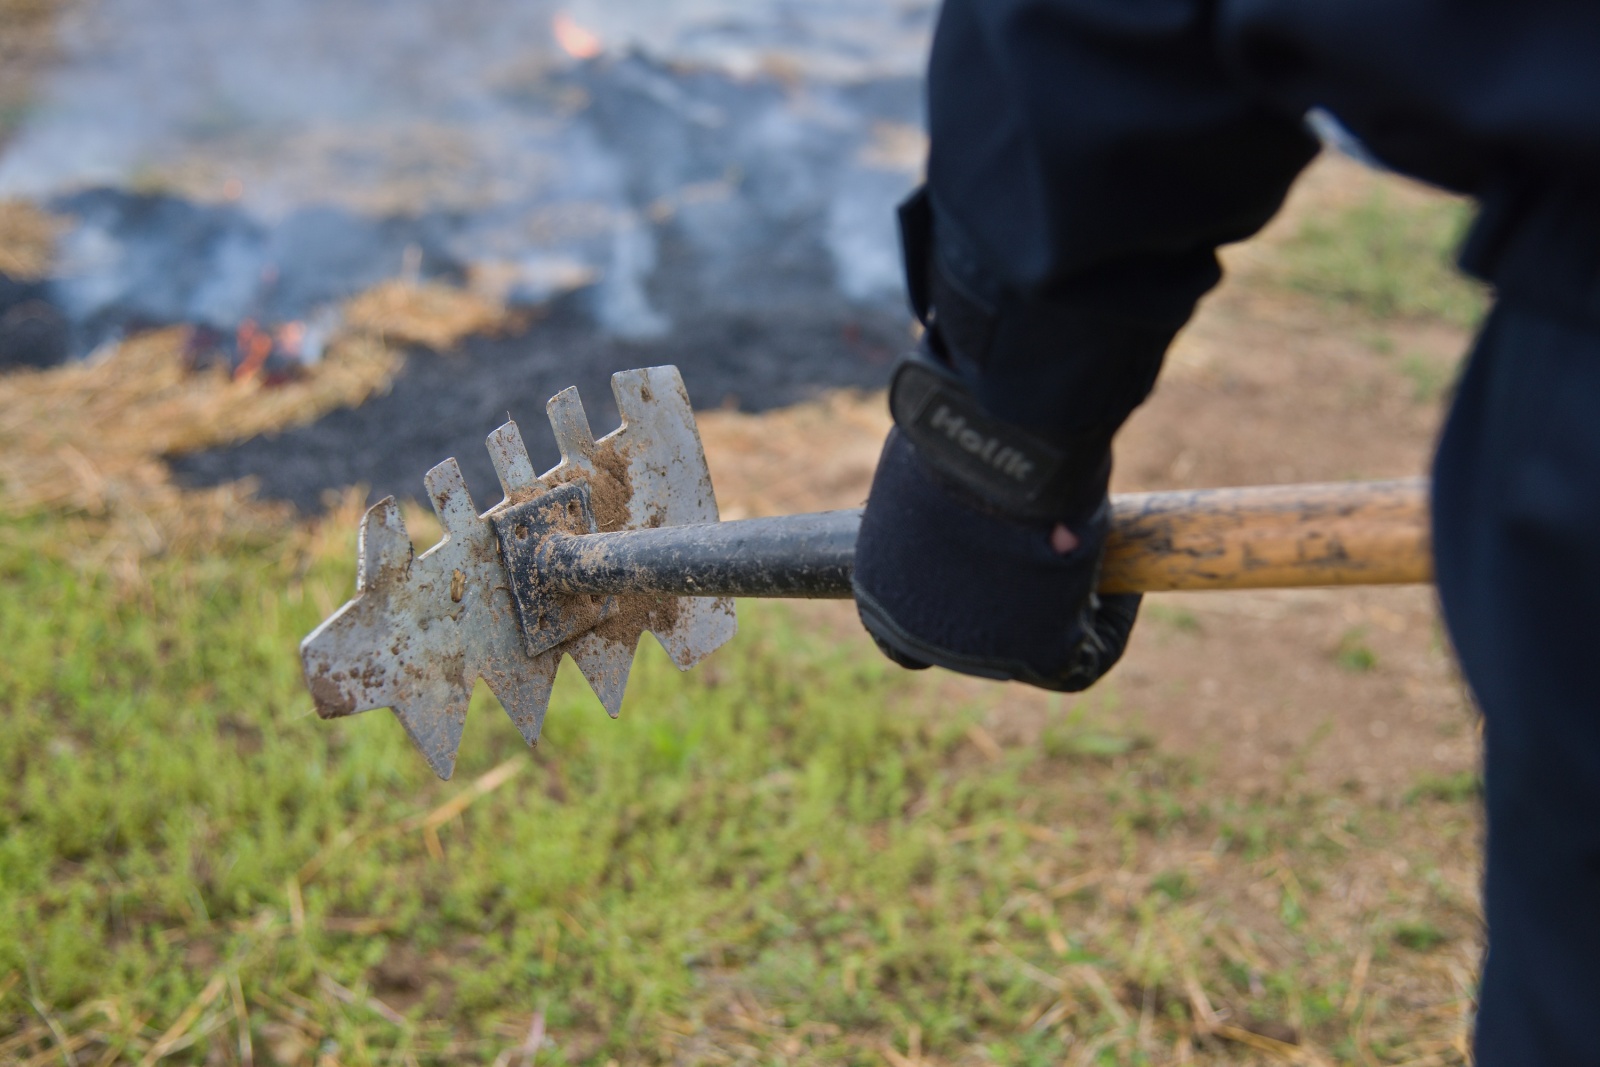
x=421, y=630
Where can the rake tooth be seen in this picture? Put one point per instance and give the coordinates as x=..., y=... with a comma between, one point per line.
x=511, y=462
x=328, y=653
x=435, y=730
x=385, y=547
x=637, y=390
x=525, y=693
x=571, y=425
x=605, y=662
x=700, y=628
x=452, y=500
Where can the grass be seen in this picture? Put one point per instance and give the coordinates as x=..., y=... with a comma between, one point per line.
x=1181, y=619
x=1456, y=788
x=792, y=855
x=1353, y=653
x=1391, y=254
x=1418, y=936
x=1429, y=379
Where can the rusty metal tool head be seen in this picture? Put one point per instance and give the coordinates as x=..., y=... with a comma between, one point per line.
x=422, y=629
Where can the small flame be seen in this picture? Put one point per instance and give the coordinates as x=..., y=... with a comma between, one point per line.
x=255, y=345
x=292, y=339
x=576, y=41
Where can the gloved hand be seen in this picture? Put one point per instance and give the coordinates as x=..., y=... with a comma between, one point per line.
x=980, y=547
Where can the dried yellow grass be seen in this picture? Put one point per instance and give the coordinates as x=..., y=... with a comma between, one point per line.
x=430, y=314
x=89, y=439
x=773, y=463
x=27, y=240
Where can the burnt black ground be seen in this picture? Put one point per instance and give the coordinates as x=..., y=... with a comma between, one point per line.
x=442, y=406
x=34, y=332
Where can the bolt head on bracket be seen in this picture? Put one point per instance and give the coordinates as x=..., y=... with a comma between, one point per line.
x=548, y=618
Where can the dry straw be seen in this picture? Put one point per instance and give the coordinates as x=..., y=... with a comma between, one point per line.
x=27, y=240
x=91, y=439
x=429, y=314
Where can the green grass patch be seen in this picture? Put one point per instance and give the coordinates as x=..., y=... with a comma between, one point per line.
x=1418, y=936
x=1458, y=788
x=1353, y=653
x=1429, y=378
x=1388, y=255
x=1178, y=618
x=793, y=854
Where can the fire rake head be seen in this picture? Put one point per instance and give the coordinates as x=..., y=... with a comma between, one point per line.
x=422, y=629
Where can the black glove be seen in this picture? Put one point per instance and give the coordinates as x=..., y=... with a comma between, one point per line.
x=954, y=565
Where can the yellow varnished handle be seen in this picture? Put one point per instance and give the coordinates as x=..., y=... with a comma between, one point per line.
x=1270, y=537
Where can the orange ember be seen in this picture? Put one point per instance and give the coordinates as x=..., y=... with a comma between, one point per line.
x=292, y=338
x=576, y=41
x=255, y=345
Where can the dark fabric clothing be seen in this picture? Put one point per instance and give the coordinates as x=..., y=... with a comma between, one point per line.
x=1087, y=158
x=1516, y=518
x=1539, y=243
x=1455, y=92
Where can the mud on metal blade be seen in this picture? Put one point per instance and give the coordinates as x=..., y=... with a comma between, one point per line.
x=422, y=629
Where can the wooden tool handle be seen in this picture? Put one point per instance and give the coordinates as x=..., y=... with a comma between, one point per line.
x=1271, y=537
x=1362, y=533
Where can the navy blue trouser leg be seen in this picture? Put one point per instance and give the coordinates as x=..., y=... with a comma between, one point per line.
x=1517, y=536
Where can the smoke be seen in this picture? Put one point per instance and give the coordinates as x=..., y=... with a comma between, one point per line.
x=226, y=159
